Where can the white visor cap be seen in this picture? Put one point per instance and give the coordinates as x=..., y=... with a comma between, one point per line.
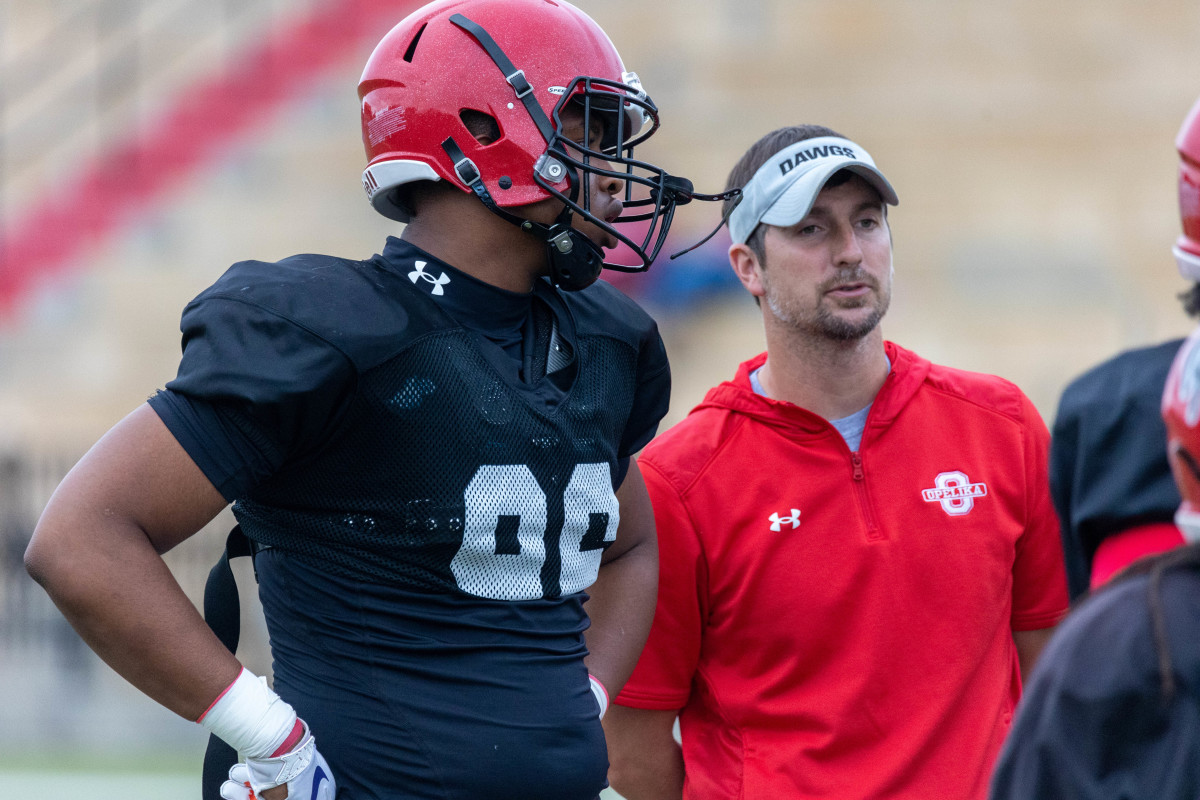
x=784, y=189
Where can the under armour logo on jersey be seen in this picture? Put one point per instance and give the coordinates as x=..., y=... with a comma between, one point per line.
x=955, y=492
x=419, y=273
x=777, y=522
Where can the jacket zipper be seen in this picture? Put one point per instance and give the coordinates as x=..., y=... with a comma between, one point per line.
x=864, y=500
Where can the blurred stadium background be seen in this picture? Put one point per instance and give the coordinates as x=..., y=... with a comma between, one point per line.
x=147, y=144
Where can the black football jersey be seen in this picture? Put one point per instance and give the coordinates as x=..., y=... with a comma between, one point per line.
x=1094, y=722
x=1108, y=455
x=400, y=446
x=430, y=463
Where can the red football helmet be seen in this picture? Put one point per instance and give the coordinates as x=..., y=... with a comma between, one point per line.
x=1187, y=246
x=1181, y=413
x=519, y=63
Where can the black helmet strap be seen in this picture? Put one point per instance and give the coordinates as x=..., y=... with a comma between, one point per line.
x=514, y=76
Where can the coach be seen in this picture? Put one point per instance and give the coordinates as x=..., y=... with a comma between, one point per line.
x=859, y=555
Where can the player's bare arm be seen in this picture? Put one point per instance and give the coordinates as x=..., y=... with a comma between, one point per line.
x=621, y=601
x=97, y=552
x=646, y=763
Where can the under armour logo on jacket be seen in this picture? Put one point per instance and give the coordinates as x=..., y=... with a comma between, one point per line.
x=777, y=522
x=419, y=273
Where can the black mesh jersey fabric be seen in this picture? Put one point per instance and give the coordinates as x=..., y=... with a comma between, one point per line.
x=445, y=476
x=384, y=440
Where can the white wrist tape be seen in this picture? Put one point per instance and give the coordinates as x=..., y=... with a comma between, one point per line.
x=250, y=717
x=600, y=692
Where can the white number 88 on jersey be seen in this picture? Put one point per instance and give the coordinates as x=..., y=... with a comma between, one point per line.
x=504, y=542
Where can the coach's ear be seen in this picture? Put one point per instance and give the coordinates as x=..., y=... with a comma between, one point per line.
x=747, y=267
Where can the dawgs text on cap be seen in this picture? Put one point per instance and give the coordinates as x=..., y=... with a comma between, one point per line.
x=783, y=190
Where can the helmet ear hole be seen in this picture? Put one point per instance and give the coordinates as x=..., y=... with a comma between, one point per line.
x=481, y=125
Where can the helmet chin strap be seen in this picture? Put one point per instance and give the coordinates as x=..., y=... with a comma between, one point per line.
x=575, y=260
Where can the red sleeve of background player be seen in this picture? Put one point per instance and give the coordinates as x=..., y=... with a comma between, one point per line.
x=1039, y=577
x=663, y=677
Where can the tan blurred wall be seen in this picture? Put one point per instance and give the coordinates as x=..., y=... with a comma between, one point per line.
x=1030, y=143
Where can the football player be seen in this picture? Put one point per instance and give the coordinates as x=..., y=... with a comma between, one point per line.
x=1115, y=496
x=431, y=451
x=1111, y=710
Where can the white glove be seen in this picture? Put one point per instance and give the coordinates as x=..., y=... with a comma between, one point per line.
x=303, y=769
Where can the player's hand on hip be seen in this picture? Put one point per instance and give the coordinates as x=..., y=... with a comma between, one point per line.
x=302, y=771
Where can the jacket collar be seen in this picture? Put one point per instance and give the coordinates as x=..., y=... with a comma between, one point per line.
x=906, y=376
